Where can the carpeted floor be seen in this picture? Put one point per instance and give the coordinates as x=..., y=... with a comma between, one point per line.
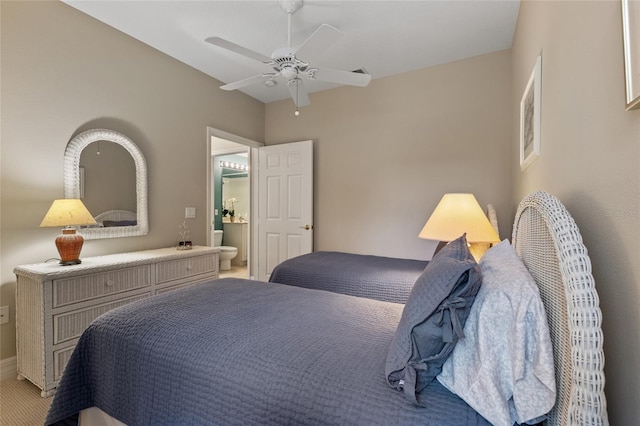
x=21, y=404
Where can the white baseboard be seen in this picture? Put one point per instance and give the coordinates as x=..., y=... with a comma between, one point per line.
x=8, y=368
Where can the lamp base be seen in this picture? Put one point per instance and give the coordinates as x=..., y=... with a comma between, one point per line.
x=478, y=250
x=69, y=245
x=70, y=262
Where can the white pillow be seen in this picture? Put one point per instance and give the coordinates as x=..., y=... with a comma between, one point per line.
x=503, y=368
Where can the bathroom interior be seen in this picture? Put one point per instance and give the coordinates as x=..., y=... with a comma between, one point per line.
x=231, y=198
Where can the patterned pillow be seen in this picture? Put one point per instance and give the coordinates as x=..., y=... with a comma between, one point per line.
x=504, y=368
x=433, y=318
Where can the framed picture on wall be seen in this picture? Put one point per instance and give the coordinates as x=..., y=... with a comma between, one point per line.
x=631, y=39
x=530, y=117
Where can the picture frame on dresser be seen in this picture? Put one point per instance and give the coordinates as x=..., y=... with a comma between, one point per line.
x=631, y=41
x=530, y=117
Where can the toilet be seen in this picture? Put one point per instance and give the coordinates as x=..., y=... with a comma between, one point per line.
x=226, y=252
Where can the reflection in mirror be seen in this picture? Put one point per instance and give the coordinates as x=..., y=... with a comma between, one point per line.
x=235, y=186
x=236, y=189
x=109, y=183
x=109, y=172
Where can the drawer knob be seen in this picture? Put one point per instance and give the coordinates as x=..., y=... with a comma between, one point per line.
x=109, y=283
x=189, y=267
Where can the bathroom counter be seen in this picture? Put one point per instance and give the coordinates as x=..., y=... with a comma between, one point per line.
x=236, y=234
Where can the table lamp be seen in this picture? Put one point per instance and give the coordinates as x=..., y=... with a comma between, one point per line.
x=67, y=213
x=457, y=214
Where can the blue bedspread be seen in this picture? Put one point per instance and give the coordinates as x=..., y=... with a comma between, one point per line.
x=245, y=352
x=376, y=277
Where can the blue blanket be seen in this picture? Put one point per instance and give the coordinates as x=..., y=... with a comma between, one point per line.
x=376, y=277
x=245, y=352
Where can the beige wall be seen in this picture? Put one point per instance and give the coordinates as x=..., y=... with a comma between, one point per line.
x=63, y=72
x=385, y=155
x=590, y=160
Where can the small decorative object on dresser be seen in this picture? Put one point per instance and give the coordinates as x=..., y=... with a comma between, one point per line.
x=55, y=304
x=185, y=242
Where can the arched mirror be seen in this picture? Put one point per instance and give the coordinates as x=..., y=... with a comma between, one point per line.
x=109, y=173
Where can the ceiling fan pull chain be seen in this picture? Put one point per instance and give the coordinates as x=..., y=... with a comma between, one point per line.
x=297, y=113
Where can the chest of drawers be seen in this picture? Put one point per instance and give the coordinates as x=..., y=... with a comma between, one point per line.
x=54, y=303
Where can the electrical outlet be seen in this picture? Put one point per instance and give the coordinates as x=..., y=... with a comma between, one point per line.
x=4, y=314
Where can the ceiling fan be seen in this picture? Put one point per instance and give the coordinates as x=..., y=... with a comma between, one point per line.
x=292, y=64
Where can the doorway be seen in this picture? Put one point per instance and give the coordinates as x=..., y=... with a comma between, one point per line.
x=230, y=188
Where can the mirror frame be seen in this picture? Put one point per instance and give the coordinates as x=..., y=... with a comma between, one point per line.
x=72, y=181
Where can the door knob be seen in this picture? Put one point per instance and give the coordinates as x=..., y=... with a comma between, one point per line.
x=307, y=227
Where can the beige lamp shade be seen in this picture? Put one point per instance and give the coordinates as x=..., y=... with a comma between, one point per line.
x=455, y=215
x=67, y=212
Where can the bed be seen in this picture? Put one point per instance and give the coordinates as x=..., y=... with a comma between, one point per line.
x=244, y=352
x=376, y=277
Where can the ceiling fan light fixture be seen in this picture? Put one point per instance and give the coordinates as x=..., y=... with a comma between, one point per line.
x=291, y=64
x=289, y=73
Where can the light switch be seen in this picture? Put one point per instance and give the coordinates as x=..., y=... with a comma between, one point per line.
x=189, y=212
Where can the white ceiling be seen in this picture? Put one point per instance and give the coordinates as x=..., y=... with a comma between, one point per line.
x=384, y=37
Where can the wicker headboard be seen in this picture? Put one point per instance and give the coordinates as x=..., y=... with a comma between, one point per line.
x=549, y=242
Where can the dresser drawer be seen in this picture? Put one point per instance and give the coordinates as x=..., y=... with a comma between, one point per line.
x=183, y=268
x=60, y=359
x=70, y=325
x=86, y=287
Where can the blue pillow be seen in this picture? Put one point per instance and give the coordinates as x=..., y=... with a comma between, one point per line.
x=433, y=318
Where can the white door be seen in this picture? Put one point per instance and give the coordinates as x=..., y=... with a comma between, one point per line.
x=285, y=204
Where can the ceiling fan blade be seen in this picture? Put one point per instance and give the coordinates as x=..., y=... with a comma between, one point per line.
x=341, y=77
x=244, y=83
x=236, y=48
x=298, y=92
x=318, y=42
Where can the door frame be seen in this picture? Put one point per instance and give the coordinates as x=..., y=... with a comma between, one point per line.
x=253, y=189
